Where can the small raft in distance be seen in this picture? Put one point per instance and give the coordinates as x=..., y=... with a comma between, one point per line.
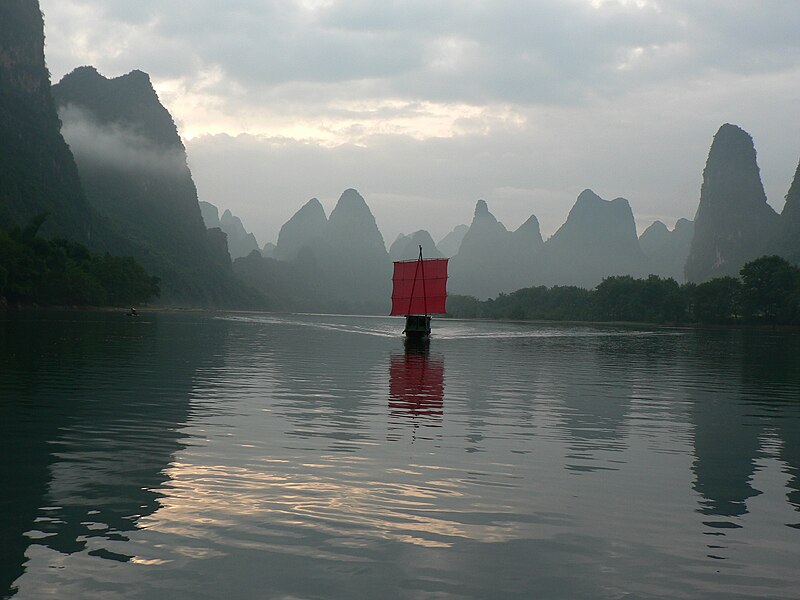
x=419, y=291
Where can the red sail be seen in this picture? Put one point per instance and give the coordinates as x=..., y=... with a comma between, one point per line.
x=420, y=287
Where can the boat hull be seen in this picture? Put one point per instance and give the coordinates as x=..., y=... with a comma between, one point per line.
x=417, y=326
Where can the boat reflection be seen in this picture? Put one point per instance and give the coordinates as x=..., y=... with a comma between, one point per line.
x=416, y=382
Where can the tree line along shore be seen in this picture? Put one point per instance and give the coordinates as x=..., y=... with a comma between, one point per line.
x=35, y=271
x=39, y=272
x=767, y=292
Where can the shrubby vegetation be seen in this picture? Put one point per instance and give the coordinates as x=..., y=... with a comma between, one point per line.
x=34, y=270
x=766, y=292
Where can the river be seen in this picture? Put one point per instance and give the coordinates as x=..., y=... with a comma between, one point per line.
x=198, y=455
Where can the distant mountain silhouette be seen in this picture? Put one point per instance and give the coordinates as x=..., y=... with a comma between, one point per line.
x=133, y=167
x=526, y=239
x=450, y=244
x=240, y=241
x=37, y=171
x=210, y=214
x=338, y=264
x=296, y=285
x=474, y=269
x=654, y=238
x=353, y=253
x=132, y=193
x=788, y=244
x=303, y=230
x=406, y=247
x=491, y=259
x=666, y=250
x=597, y=240
x=734, y=223
x=791, y=210
x=268, y=251
x=123, y=186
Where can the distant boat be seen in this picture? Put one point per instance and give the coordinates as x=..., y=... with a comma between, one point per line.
x=419, y=291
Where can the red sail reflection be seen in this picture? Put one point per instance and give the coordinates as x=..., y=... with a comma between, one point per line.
x=416, y=384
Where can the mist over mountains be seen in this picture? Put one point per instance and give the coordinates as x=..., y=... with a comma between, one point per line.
x=337, y=264
x=113, y=174
x=133, y=169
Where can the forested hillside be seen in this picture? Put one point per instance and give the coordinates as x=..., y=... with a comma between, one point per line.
x=48, y=272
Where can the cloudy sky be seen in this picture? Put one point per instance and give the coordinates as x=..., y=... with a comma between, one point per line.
x=425, y=106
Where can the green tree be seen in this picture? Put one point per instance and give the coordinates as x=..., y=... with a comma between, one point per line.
x=124, y=279
x=717, y=301
x=464, y=307
x=568, y=303
x=770, y=290
x=619, y=298
x=34, y=270
x=662, y=300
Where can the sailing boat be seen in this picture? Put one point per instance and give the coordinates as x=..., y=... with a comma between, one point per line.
x=419, y=291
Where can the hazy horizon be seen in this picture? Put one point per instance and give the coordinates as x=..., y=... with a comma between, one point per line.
x=427, y=107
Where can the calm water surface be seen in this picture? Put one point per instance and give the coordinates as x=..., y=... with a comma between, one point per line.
x=263, y=456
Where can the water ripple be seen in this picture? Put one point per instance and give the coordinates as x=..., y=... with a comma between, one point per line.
x=308, y=456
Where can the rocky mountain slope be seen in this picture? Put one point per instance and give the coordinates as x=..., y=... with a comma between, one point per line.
x=666, y=250
x=734, y=224
x=303, y=230
x=37, y=171
x=492, y=259
x=597, y=240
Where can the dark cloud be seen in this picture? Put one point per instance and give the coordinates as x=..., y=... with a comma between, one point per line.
x=475, y=52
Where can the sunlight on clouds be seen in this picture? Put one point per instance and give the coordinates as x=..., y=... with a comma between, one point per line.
x=91, y=46
x=199, y=111
x=654, y=55
x=633, y=56
x=450, y=53
x=314, y=5
x=195, y=108
x=423, y=120
x=625, y=3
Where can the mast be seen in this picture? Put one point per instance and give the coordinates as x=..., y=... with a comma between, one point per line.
x=424, y=295
x=414, y=283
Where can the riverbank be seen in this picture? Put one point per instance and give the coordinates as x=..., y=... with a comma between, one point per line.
x=548, y=322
